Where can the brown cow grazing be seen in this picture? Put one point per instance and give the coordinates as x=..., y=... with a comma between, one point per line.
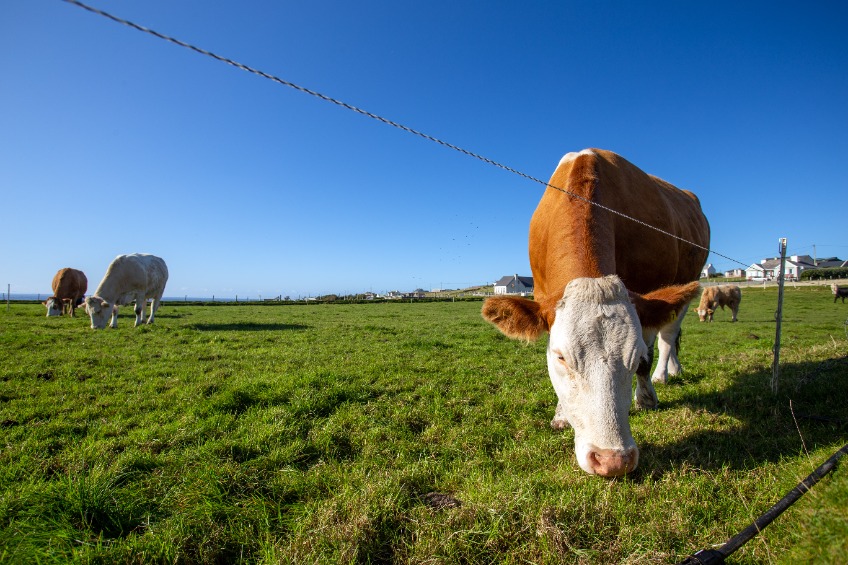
x=839, y=292
x=69, y=288
x=721, y=295
x=605, y=287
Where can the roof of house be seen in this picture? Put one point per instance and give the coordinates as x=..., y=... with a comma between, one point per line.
x=799, y=260
x=831, y=263
x=526, y=281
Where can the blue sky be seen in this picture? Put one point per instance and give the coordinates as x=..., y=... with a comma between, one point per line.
x=115, y=142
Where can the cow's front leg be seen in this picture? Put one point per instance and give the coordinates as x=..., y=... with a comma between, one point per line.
x=559, y=422
x=114, y=323
x=645, y=395
x=668, y=363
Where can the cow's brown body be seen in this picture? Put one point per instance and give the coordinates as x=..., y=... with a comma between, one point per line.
x=606, y=286
x=69, y=287
x=719, y=296
x=571, y=238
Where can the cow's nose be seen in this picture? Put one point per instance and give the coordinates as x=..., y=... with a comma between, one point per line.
x=613, y=462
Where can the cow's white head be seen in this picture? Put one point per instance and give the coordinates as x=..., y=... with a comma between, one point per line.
x=595, y=347
x=54, y=306
x=594, y=350
x=705, y=314
x=99, y=311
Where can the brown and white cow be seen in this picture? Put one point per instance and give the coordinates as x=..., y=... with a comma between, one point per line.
x=721, y=295
x=605, y=287
x=69, y=287
x=839, y=291
x=129, y=278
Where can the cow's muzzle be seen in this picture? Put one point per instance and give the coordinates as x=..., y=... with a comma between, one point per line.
x=612, y=462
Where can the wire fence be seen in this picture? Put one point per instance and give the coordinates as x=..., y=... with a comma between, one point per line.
x=386, y=121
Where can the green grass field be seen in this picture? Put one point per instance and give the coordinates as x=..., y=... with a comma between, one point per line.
x=317, y=434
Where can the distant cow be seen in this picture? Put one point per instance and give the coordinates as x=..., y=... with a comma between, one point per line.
x=839, y=292
x=715, y=296
x=129, y=278
x=605, y=288
x=69, y=287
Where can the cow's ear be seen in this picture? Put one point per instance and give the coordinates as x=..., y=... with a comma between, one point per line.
x=660, y=307
x=515, y=317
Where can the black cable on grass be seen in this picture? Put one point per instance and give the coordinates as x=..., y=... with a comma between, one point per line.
x=716, y=556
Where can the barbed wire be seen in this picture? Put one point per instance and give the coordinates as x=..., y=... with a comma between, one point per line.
x=386, y=121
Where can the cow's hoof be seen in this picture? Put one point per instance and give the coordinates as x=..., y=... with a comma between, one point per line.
x=559, y=425
x=646, y=400
x=660, y=379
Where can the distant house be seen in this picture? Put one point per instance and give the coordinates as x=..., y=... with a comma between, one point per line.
x=514, y=285
x=830, y=262
x=734, y=273
x=769, y=269
x=708, y=271
x=760, y=272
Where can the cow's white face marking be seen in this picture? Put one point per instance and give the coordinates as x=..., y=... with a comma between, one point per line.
x=54, y=307
x=573, y=155
x=594, y=350
x=99, y=311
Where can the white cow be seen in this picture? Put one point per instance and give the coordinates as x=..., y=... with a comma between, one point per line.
x=129, y=278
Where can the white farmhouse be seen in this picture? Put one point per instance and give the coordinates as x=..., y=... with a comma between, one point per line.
x=514, y=285
x=708, y=271
x=769, y=269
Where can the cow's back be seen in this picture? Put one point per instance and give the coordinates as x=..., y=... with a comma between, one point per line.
x=69, y=283
x=124, y=273
x=157, y=273
x=133, y=272
x=571, y=238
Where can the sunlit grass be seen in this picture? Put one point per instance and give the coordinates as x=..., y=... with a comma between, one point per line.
x=317, y=433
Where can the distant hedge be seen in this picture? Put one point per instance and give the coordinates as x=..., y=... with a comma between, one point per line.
x=828, y=273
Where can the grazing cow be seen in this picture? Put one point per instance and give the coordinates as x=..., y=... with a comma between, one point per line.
x=605, y=287
x=721, y=295
x=129, y=278
x=839, y=292
x=69, y=287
